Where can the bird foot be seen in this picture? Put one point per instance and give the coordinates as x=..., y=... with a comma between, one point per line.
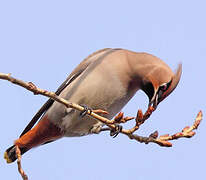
x=114, y=132
x=86, y=110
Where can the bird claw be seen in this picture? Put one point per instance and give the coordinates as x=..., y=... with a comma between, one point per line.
x=86, y=110
x=114, y=132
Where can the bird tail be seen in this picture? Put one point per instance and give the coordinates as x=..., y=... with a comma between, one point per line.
x=10, y=153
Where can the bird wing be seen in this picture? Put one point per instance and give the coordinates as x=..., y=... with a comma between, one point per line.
x=75, y=73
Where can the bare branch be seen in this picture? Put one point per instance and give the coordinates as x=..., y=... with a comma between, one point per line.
x=163, y=140
x=140, y=118
x=21, y=171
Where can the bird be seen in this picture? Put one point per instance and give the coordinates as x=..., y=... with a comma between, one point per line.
x=107, y=79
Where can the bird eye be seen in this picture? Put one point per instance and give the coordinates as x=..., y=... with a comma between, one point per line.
x=164, y=87
x=161, y=91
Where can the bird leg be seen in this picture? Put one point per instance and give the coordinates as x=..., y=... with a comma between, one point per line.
x=116, y=121
x=105, y=129
x=140, y=119
x=115, y=131
x=86, y=110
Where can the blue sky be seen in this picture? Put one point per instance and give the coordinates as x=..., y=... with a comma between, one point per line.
x=42, y=41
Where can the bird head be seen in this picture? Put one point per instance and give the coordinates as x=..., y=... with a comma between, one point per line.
x=160, y=82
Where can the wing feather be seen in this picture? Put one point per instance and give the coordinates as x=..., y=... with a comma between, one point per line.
x=75, y=73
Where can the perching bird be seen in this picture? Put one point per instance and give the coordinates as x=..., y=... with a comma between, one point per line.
x=106, y=80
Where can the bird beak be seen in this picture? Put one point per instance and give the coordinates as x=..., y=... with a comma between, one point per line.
x=159, y=95
x=154, y=101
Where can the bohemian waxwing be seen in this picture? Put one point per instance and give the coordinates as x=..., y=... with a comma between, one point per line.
x=105, y=80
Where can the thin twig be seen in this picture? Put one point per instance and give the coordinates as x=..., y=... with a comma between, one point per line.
x=163, y=140
x=21, y=171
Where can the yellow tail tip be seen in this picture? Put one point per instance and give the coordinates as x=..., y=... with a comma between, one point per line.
x=7, y=158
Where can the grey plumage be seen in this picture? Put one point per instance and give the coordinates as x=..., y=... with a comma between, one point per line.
x=105, y=80
x=109, y=79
